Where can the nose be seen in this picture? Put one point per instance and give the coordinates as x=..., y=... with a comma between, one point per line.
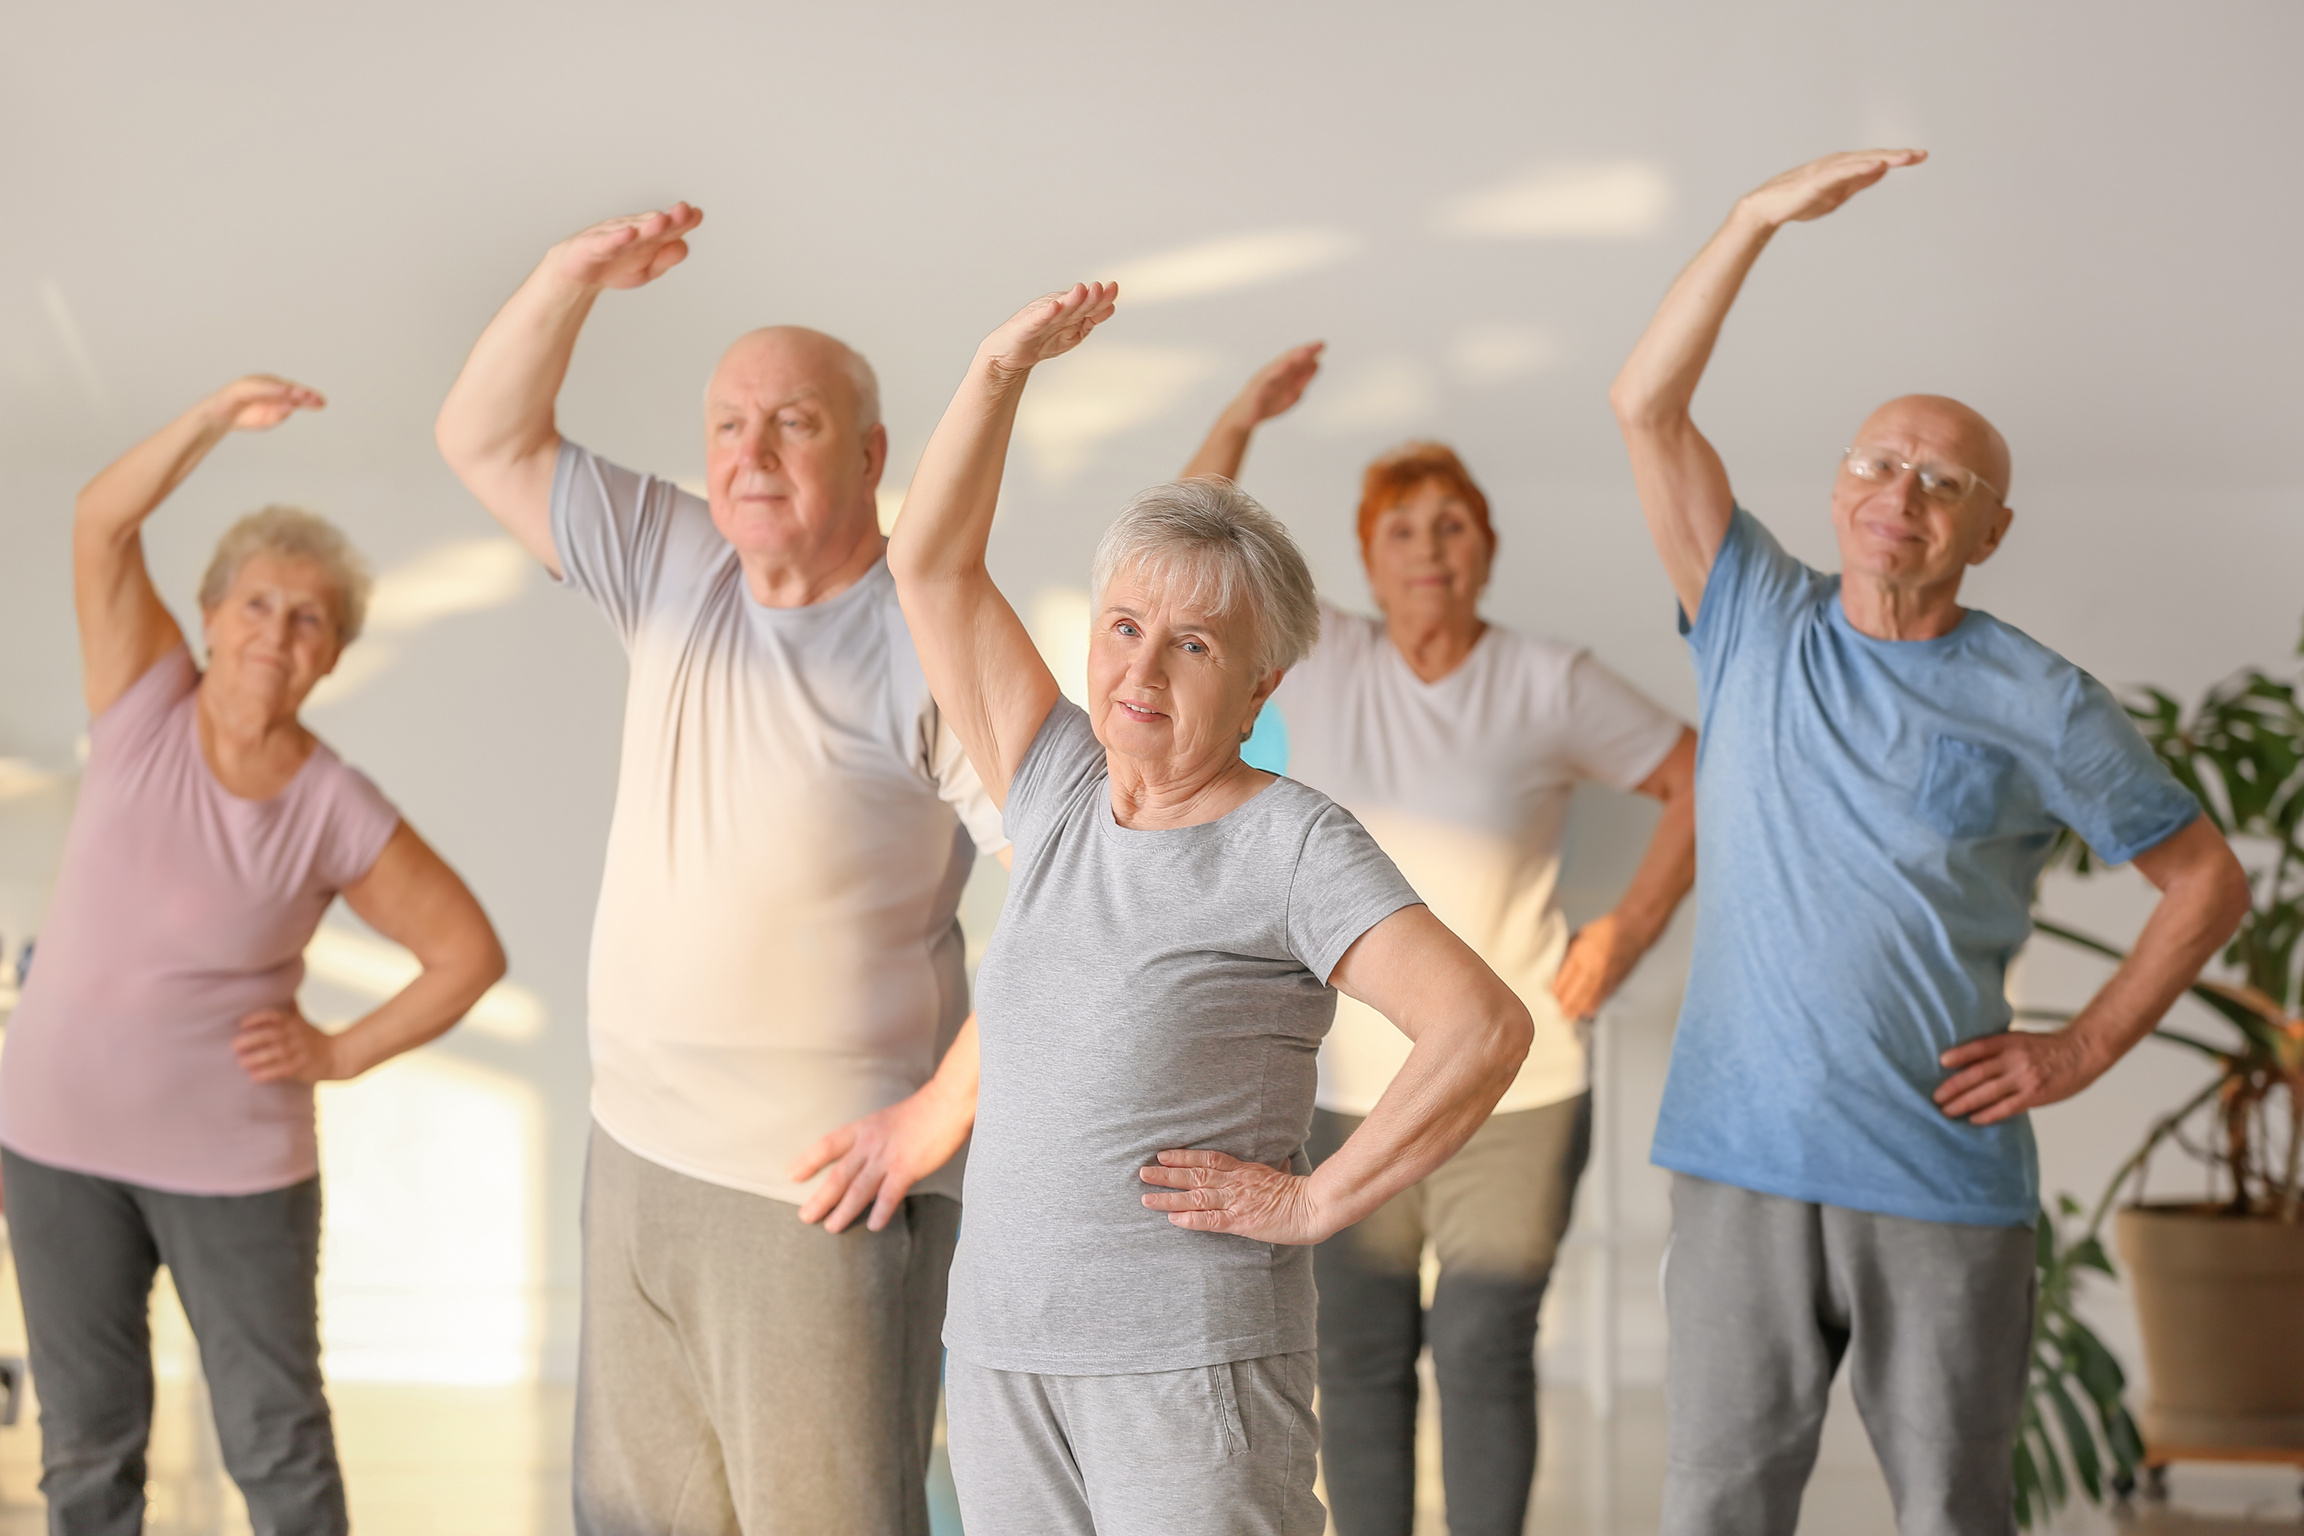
x=757, y=446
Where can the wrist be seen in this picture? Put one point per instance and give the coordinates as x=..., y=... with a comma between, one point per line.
x=1749, y=220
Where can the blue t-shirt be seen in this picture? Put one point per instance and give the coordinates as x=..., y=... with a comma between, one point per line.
x=1871, y=817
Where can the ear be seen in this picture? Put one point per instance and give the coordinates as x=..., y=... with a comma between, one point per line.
x=2001, y=519
x=1264, y=691
x=875, y=455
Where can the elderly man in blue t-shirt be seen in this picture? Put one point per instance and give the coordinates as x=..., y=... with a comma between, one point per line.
x=1881, y=776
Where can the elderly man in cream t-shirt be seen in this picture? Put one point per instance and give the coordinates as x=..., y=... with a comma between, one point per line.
x=779, y=1016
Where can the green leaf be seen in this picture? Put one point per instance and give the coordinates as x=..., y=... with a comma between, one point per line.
x=2099, y=1374
x=2078, y=1439
x=2052, y=1469
x=2029, y=1506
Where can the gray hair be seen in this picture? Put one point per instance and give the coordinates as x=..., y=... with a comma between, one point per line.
x=295, y=534
x=1231, y=555
x=867, y=389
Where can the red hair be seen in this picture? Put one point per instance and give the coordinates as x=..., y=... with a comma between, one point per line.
x=1393, y=478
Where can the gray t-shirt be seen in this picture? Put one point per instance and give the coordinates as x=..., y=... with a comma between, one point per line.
x=1147, y=990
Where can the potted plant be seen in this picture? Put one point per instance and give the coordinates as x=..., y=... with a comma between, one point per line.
x=2218, y=1282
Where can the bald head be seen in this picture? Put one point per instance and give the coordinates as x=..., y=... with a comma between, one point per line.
x=1940, y=427
x=789, y=358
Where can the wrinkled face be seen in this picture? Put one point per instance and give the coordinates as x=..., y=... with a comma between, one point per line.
x=273, y=635
x=1166, y=683
x=1891, y=530
x=1427, y=555
x=790, y=474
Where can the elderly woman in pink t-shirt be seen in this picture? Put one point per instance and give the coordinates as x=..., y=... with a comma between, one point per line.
x=156, y=1101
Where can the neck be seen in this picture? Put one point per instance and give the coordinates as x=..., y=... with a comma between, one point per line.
x=778, y=580
x=1147, y=796
x=252, y=748
x=1434, y=644
x=1888, y=610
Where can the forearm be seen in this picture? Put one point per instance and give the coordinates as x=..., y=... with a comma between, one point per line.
x=1659, y=380
x=418, y=1013
x=1226, y=446
x=115, y=504
x=953, y=1085
x=1666, y=872
x=947, y=522
x=1444, y=1092
x=500, y=408
x=2187, y=928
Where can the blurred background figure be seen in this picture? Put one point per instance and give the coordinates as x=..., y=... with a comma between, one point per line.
x=1458, y=744
x=156, y=1101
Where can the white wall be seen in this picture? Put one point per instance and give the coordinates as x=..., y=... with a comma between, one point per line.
x=2101, y=256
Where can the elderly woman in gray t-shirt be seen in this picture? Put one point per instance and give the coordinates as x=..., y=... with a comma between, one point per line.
x=1131, y=1315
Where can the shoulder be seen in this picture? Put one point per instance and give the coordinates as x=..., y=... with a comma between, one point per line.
x=133, y=720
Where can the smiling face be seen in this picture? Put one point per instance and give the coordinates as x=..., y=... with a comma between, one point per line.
x=1427, y=556
x=274, y=633
x=1167, y=684
x=1890, y=531
x=790, y=468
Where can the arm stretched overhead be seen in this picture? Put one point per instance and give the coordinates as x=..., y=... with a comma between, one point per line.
x=1274, y=388
x=496, y=428
x=124, y=627
x=981, y=664
x=1683, y=486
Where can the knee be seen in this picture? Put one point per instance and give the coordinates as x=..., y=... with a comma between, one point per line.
x=1483, y=1330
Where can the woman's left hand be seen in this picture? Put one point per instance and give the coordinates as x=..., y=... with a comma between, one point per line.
x=1219, y=1193
x=1599, y=958
x=277, y=1045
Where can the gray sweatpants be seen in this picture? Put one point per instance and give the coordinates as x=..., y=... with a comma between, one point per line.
x=247, y=1269
x=1216, y=1450
x=1764, y=1297
x=741, y=1370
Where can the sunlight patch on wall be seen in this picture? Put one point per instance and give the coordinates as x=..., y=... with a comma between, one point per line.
x=1497, y=354
x=1058, y=619
x=377, y=968
x=1235, y=261
x=431, y=1257
x=1098, y=393
x=1615, y=200
x=891, y=502
x=463, y=576
x=1389, y=394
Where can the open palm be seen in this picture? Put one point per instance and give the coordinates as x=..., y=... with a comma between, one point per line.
x=632, y=250
x=261, y=401
x=1051, y=326
x=1815, y=189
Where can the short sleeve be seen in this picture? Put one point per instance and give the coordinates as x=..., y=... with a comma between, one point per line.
x=360, y=822
x=128, y=725
x=1344, y=885
x=617, y=532
x=1616, y=733
x=1755, y=590
x=959, y=787
x=2108, y=784
x=1064, y=759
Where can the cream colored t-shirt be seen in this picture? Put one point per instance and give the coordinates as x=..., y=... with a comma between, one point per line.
x=777, y=949
x=1465, y=783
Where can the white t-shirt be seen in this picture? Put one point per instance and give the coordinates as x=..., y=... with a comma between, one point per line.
x=777, y=949
x=1465, y=783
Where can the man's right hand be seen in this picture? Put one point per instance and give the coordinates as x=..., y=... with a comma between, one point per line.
x=629, y=251
x=1815, y=189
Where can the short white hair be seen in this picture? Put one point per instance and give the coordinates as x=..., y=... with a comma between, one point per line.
x=867, y=389
x=1229, y=555
x=295, y=534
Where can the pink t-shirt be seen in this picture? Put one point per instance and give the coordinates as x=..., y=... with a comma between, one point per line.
x=181, y=908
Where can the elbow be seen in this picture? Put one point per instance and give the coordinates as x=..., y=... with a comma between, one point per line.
x=1640, y=410
x=2234, y=898
x=1511, y=1031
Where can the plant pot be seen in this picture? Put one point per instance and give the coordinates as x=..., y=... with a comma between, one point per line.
x=2221, y=1301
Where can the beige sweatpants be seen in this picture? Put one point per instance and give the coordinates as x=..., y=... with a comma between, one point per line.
x=742, y=1371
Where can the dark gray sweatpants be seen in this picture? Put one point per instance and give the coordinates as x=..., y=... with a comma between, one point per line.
x=247, y=1268
x=1766, y=1295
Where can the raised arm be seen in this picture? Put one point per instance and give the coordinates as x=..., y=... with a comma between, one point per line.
x=496, y=428
x=982, y=667
x=1275, y=387
x=2203, y=897
x=1683, y=486
x=124, y=627
x=1471, y=1035
x=413, y=898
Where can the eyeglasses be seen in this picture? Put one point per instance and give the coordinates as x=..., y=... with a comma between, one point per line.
x=1945, y=484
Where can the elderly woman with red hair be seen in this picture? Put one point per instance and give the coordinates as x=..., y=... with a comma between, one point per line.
x=1457, y=743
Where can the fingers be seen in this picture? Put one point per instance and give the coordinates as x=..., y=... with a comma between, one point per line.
x=826, y=1196
x=830, y=1146
x=1982, y=1048
x=853, y=1200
